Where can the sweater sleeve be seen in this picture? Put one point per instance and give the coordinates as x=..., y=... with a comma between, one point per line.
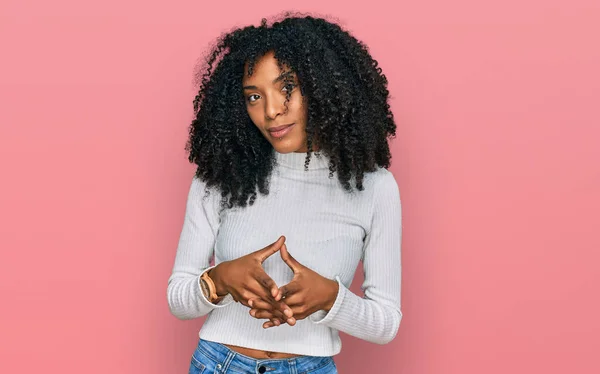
x=194, y=252
x=376, y=316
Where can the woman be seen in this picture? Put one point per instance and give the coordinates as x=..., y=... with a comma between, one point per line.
x=287, y=107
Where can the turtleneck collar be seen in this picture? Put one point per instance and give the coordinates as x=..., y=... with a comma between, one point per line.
x=295, y=160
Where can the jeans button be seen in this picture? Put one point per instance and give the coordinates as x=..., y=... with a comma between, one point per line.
x=219, y=366
x=262, y=369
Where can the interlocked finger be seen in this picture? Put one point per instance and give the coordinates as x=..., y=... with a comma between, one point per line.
x=277, y=306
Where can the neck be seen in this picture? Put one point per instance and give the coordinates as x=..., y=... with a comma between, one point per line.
x=296, y=160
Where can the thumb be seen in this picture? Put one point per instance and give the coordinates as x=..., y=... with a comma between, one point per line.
x=289, y=260
x=267, y=251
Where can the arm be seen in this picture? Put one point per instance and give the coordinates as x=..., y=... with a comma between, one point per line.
x=194, y=251
x=376, y=316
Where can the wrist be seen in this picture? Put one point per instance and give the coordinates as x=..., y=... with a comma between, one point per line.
x=216, y=275
x=333, y=290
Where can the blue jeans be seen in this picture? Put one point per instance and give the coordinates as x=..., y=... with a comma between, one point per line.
x=211, y=357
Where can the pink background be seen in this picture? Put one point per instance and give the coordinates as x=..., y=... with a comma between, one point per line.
x=497, y=158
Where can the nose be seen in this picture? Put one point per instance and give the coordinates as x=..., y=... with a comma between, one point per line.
x=274, y=106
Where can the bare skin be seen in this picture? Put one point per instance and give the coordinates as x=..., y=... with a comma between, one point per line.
x=265, y=95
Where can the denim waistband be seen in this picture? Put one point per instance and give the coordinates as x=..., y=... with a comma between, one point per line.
x=224, y=357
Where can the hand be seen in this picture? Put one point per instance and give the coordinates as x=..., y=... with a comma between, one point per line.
x=305, y=294
x=247, y=282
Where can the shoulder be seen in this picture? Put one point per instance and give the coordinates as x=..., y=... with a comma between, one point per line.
x=384, y=194
x=382, y=182
x=198, y=189
x=201, y=193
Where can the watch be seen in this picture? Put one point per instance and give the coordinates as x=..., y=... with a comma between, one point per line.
x=204, y=288
x=208, y=287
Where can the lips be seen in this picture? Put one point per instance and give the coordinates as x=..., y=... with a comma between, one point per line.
x=280, y=131
x=278, y=128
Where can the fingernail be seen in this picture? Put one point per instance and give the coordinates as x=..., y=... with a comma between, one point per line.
x=291, y=321
x=250, y=302
x=253, y=312
x=276, y=322
x=288, y=313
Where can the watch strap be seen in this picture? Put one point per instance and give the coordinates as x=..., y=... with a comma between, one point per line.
x=212, y=290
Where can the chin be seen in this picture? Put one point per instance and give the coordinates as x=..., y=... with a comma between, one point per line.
x=287, y=145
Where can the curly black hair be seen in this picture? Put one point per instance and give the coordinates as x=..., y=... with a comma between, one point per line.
x=348, y=110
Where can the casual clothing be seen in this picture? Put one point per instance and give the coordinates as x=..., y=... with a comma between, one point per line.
x=327, y=229
x=211, y=357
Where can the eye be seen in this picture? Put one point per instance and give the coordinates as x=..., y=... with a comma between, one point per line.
x=249, y=98
x=289, y=87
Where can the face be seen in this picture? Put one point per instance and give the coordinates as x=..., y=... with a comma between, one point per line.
x=265, y=95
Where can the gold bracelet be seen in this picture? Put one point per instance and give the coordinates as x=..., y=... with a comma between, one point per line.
x=212, y=297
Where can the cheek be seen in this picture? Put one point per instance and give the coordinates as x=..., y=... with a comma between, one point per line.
x=254, y=116
x=299, y=106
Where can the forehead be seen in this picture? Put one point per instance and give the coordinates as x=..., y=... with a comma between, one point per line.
x=265, y=70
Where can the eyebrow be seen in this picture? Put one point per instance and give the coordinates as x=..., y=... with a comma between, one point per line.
x=280, y=77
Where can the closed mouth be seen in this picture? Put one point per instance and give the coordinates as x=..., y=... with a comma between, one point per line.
x=279, y=128
x=280, y=131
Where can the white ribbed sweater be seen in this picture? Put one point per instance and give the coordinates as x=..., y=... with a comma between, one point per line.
x=327, y=229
